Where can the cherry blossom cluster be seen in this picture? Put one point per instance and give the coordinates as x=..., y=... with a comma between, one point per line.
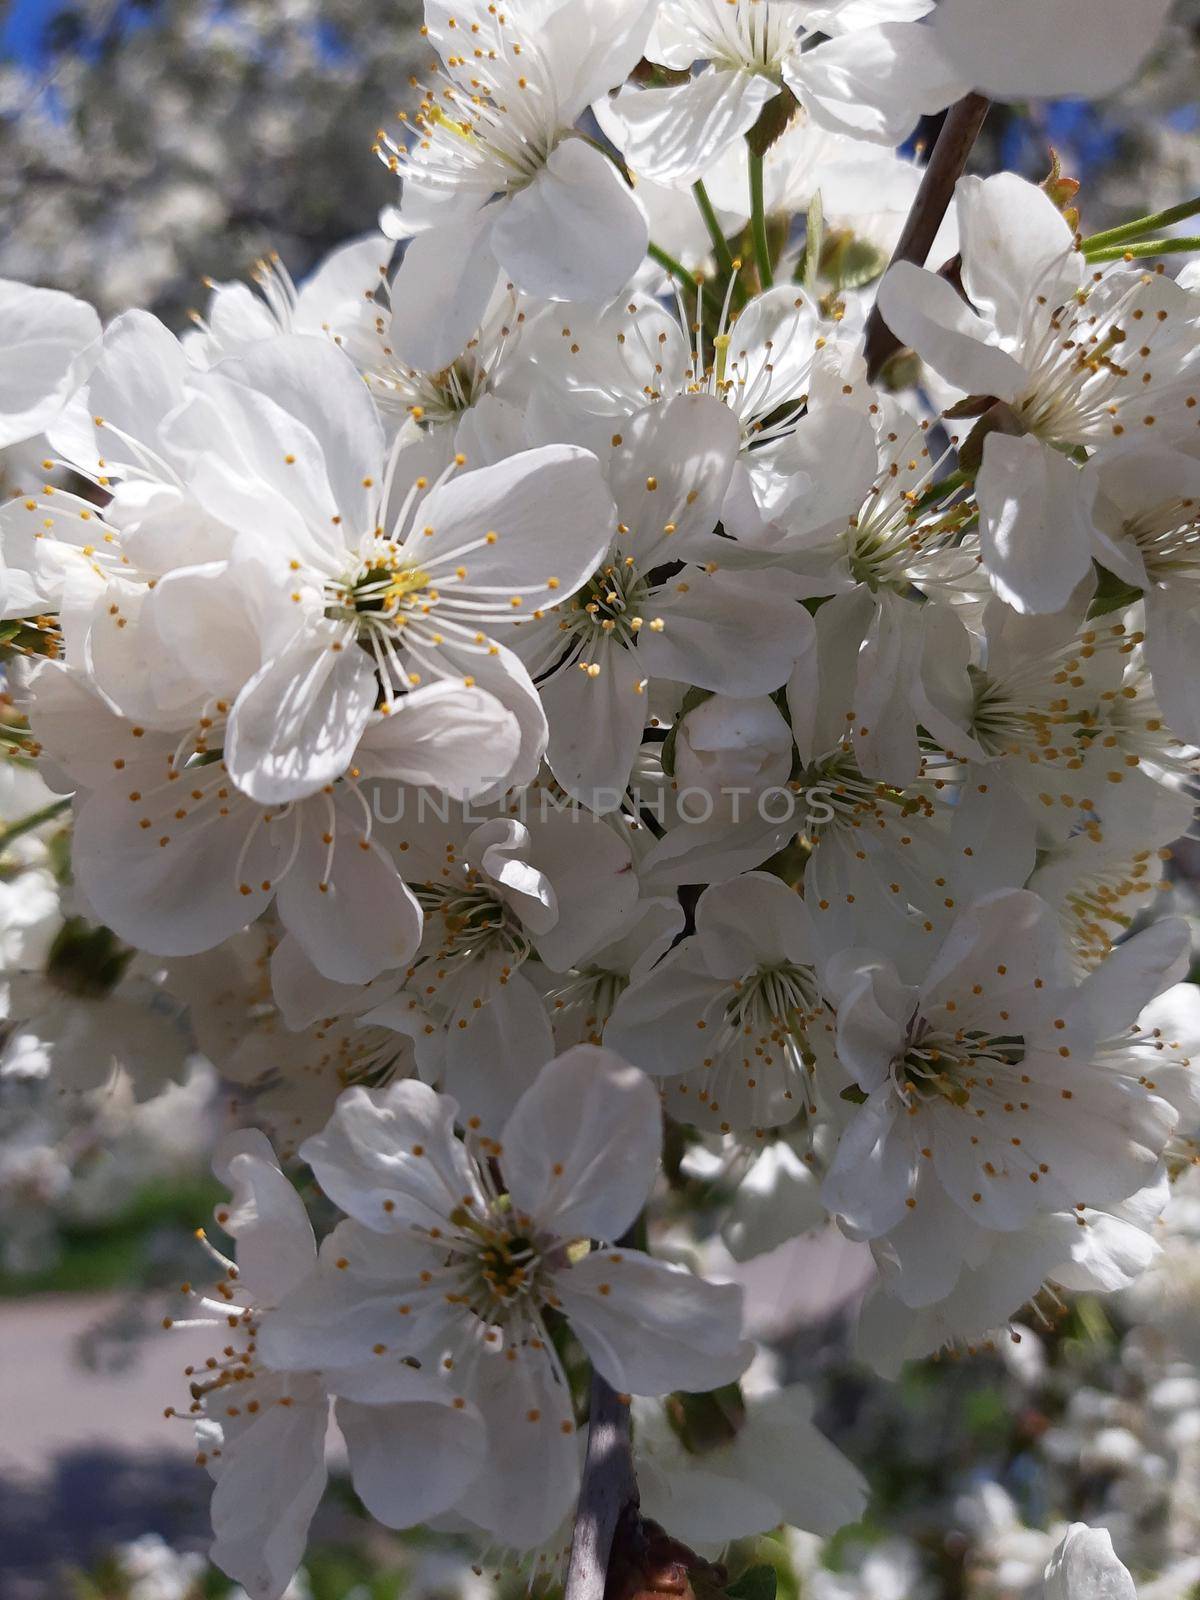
x=562, y=692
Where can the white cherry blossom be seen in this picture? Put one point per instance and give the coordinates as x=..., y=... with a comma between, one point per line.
x=427, y=1234
x=980, y=1096
x=261, y=1434
x=729, y=1011
x=495, y=180
x=873, y=77
x=357, y=597
x=1078, y=358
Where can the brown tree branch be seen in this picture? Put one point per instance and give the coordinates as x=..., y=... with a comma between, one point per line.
x=946, y=164
x=608, y=1491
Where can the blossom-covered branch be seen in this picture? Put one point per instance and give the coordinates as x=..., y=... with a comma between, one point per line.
x=574, y=736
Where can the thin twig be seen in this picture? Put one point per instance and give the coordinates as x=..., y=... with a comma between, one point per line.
x=946, y=164
x=609, y=1489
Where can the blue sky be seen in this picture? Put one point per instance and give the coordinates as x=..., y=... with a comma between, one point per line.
x=22, y=27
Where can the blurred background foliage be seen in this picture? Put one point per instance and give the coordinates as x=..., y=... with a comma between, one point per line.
x=146, y=143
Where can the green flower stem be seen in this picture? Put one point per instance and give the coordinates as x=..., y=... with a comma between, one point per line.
x=719, y=243
x=35, y=819
x=688, y=280
x=1149, y=247
x=758, y=222
x=669, y=264
x=1141, y=227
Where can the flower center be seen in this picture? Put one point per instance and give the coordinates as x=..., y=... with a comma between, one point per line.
x=380, y=590
x=1090, y=361
x=490, y=121
x=474, y=921
x=839, y=797
x=746, y=35
x=497, y=1264
x=589, y=995
x=609, y=608
x=508, y=1266
x=773, y=1002
x=1169, y=541
x=939, y=1064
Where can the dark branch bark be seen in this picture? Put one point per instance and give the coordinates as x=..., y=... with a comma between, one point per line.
x=946, y=164
x=609, y=1490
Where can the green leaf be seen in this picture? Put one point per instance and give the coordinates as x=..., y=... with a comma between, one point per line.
x=1112, y=593
x=760, y=1583
x=848, y=262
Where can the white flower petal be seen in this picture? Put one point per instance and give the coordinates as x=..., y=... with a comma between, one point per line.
x=1048, y=48
x=596, y=726
x=137, y=380
x=755, y=920
x=392, y=1145
x=924, y=311
x=593, y=45
x=442, y=289
x=650, y=1327
x=335, y=1319
x=576, y=232
x=412, y=1461
x=493, y=1059
x=294, y=727
x=1173, y=655
x=271, y=1478
x=710, y=619
x=1016, y=245
x=138, y=888
x=673, y=135
x=874, y=83
x=542, y=519
x=317, y=385
x=444, y=736
x=1111, y=997
x=656, y=1022
x=1034, y=528
x=266, y=1216
x=345, y=902
x=48, y=341
x=1084, y=1566
x=581, y=1148
x=524, y=1497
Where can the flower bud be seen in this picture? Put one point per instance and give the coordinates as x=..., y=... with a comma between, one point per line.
x=731, y=751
